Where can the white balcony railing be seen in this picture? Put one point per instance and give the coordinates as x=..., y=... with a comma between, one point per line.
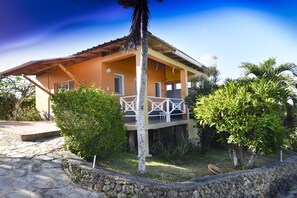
x=157, y=107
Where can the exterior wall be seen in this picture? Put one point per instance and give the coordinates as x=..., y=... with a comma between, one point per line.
x=156, y=73
x=42, y=98
x=86, y=72
x=95, y=72
x=173, y=75
x=124, y=67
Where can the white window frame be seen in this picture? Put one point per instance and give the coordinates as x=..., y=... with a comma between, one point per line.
x=65, y=83
x=121, y=77
x=160, y=89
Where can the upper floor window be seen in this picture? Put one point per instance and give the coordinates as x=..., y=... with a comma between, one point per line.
x=119, y=84
x=68, y=85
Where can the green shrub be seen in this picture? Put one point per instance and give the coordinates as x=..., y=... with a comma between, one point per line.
x=172, y=152
x=7, y=104
x=27, y=113
x=91, y=122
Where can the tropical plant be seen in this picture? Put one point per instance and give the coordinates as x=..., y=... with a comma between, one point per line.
x=245, y=114
x=91, y=121
x=285, y=74
x=137, y=39
x=202, y=85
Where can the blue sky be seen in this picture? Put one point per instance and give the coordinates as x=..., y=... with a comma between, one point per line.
x=234, y=30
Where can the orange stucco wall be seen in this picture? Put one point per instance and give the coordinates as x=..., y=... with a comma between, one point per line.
x=94, y=71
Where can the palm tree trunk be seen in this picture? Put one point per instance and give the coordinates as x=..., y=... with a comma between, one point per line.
x=140, y=100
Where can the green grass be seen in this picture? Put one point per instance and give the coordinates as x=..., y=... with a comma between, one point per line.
x=192, y=166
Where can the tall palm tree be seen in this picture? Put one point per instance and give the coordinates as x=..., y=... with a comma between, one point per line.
x=138, y=39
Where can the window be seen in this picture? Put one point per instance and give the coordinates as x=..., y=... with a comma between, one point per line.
x=119, y=84
x=177, y=86
x=68, y=85
x=169, y=87
x=158, y=89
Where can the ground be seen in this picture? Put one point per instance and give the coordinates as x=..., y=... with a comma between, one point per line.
x=33, y=169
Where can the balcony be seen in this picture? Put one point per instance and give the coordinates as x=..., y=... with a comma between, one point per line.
x=159, y=109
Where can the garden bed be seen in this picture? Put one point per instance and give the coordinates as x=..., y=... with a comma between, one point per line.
x=191, y=166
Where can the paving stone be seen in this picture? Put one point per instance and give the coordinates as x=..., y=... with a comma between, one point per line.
x=36, y=167
x=20, y=173
x=3, y=172
x=33, y=169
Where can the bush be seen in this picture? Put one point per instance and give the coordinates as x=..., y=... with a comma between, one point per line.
x=7, y=104
x=26, y=110
x=91, y=122
x=172, y=152
x=29, y=113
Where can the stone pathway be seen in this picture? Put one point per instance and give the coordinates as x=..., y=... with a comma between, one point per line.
x=33, y=169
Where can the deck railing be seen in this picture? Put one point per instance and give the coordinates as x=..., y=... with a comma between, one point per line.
x=157, y=107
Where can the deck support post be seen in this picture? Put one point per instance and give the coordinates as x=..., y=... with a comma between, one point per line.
x=167, y=110
x=132, y=141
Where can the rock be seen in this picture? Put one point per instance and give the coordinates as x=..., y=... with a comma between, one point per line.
x=172, y=193
x=106, y=188
x=3, y=172
x=36, y=168
x=21, y=173
x=98, y=187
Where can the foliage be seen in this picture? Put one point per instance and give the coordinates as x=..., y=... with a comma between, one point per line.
x=7, y=104
x=245, y=113
x=172, y=152
x=284, y=74
x=17, y=99
x=90, y=120
x=26, y=114
x=202, y=85
x=26, y=110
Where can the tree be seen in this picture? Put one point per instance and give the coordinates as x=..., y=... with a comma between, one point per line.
x=138, y=39
x=285, y=74
x=17, y=99
x=203, y=85
x=245, y=114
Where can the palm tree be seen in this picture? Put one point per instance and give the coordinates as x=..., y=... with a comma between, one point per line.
x=285, y=74
x=138, y=39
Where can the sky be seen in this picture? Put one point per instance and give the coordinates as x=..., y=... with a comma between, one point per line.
x=235, y=31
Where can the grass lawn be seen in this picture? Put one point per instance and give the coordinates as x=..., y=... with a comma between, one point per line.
x=192, y=166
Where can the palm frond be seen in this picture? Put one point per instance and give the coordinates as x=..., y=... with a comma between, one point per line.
x=250, y=68
x=140, y=20
x=128, y=3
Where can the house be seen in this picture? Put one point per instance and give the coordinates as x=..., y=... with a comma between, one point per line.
x=115, y=71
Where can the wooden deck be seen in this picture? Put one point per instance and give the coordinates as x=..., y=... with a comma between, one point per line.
x=156, y=124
